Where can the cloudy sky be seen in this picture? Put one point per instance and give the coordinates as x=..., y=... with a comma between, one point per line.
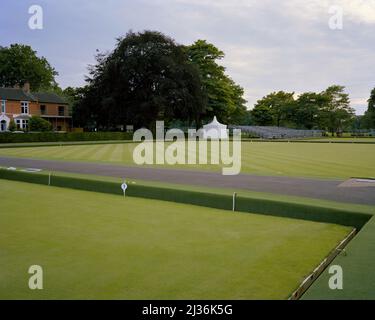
x=270, y=45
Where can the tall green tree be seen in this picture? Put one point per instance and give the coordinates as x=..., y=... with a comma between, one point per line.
x=20, y=64
x=247, y=119
x=336, y=114
x=225, y=98
x=369, y=117
x=147, y=77
x=307, y=108
x=371, y=101
x=278, y=105
x=237, y=112
x=74, y=97
x=261, y=115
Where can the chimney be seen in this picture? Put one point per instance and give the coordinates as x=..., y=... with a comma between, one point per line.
x=26, y=87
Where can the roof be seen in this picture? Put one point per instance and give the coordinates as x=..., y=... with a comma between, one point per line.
x=21, y=95
x=15, y=94
x=214, y=123
x=49, y=97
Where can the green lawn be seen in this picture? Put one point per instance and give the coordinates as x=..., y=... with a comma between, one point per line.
x=358, y=270
x=263, y=158
x=94, y=245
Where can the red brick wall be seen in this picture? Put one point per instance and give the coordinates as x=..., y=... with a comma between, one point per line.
x=14, y=107
x=53, y=109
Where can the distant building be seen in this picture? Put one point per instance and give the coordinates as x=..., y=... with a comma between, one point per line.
x=215, y=130
x=21, y=104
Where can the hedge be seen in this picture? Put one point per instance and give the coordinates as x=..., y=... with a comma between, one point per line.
x=243, y=204
x=9, y=137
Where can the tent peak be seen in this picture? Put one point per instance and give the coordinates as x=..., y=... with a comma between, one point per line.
x=214, y=121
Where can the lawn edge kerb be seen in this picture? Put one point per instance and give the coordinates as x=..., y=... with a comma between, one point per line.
x=244, y=204
x=313, y=276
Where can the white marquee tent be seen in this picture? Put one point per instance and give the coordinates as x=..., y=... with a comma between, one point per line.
x=215, y=130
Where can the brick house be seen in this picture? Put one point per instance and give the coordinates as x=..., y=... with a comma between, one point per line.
x=21, y=104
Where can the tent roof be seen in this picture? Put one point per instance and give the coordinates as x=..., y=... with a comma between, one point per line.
x=214, y=123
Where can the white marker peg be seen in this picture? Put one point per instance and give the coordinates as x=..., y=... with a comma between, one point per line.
x=124, y=186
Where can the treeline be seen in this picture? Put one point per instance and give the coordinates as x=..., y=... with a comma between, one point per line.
x=149, y=77
x=328, y=110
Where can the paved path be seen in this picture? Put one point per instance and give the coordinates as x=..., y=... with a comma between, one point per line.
x=312, y=188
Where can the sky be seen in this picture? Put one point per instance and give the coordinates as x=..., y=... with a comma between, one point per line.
x=270, y=45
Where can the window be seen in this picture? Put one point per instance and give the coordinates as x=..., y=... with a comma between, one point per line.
x=61, y=111
x=22, y=124
x=25, y=107
x=3, y=110
x=42, y=109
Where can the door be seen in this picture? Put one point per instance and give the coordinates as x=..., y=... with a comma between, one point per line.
x=3, y=125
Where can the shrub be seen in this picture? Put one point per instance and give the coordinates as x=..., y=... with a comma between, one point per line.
x=12, y=125
x=39, y=124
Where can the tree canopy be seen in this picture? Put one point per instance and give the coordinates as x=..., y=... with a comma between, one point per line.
x=224, y=97
x=336, y=113
x=20, y=64
x=276, y=106
x=146, y=78
x=150, y=77
x=307, y=109
x=369, y=117
x=262, y=115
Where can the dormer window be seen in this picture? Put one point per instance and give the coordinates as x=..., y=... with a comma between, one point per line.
x=3, y=106
x=25, y=107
